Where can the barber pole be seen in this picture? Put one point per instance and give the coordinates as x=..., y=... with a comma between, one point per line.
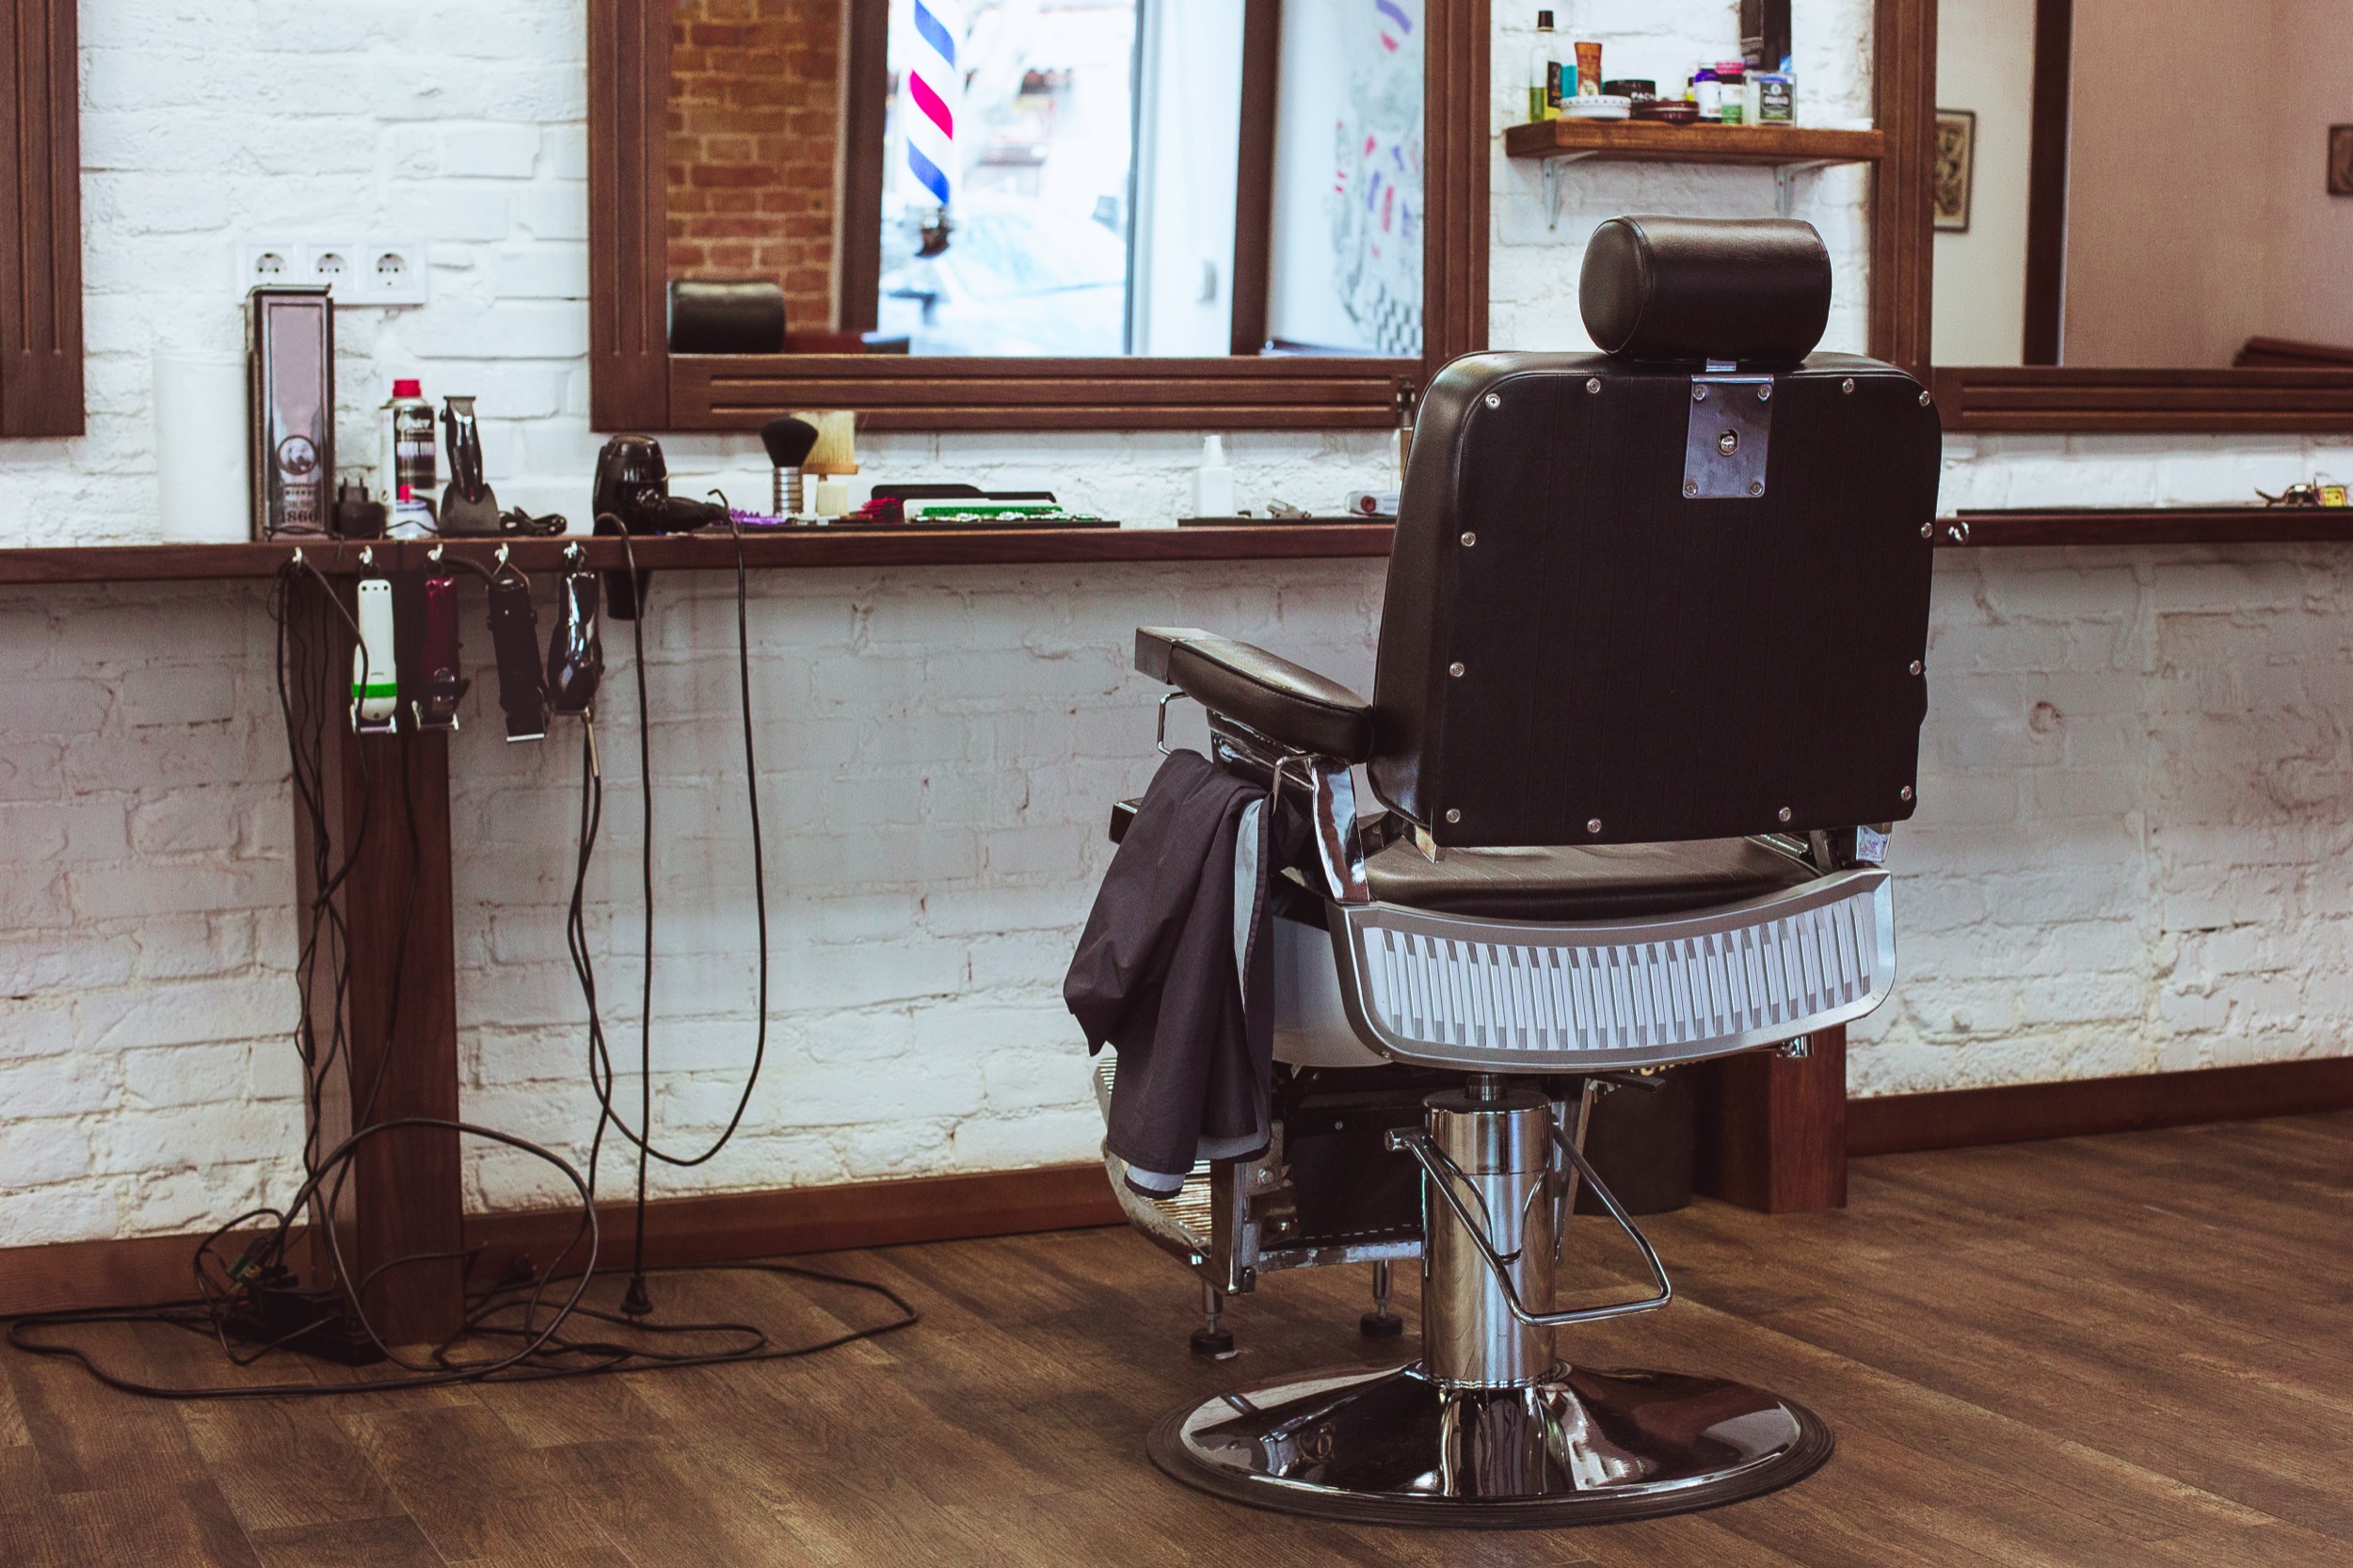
x=935, y=90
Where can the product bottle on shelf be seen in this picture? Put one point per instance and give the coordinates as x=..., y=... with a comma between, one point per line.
x=1213, y=481
x=411, y=470
x=1543, y=73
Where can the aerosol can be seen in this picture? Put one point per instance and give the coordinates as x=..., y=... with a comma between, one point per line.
x=409, y=473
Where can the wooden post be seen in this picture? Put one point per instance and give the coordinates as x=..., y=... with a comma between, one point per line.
x=397, y=1007
x=1772, y=1132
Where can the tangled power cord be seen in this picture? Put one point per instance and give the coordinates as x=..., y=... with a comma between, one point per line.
x=513, y=1331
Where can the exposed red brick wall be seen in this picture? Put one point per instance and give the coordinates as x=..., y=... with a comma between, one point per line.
x=755, y=122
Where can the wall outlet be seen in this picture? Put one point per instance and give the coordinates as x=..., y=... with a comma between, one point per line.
x=377, y=271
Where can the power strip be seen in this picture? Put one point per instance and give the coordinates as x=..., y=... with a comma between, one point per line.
x=271, y=1310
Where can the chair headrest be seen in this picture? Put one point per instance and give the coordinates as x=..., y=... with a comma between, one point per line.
x=1705, y=288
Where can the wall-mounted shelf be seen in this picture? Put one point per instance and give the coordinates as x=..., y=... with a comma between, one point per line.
x=1789, y=150
x=797, y=548
x=2094, y=525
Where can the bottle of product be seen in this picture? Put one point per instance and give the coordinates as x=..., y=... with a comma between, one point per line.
x=1543, y=73
x=1708, y=93
x=1587, y=83
x=1732, y=90
x=1213, y=481
x=409, y=472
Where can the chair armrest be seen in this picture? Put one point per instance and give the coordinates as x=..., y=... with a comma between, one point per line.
x=1281, y=700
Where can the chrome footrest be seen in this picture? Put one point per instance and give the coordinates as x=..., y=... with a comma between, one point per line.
x=1504, y=995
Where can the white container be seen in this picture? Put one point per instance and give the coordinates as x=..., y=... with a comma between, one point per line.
x=1213, y=481
x=202, y=491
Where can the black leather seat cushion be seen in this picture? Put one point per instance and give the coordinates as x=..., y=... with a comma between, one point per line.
x=1583, y=882
x=1281, y=700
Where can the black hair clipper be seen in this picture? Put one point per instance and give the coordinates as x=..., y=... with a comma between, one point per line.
x=469, y=509
x=575, y=648
x=514, y=636
x=442, y=684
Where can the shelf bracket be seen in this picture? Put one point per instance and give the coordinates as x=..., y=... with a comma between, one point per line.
x=1786, y=183
x=1553, y=165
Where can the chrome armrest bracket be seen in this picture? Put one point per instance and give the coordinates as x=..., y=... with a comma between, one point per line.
x=1330, y=790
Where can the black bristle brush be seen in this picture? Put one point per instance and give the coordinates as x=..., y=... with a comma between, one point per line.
x=788, y=441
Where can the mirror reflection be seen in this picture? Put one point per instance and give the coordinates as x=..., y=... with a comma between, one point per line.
x=1054, y=178
x=2172, y=197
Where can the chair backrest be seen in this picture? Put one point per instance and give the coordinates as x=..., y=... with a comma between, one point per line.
x=1675, y=591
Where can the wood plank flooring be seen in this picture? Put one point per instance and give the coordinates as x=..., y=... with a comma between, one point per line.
x=2110, y=1351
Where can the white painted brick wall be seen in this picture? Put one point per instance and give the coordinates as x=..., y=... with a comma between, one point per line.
x=2128, y=853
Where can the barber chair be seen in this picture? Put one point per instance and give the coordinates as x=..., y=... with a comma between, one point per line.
x=1647, y=706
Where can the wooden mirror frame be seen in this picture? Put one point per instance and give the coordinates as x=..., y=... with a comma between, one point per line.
x=40, y=240
x=2047, y=396
x=635, y=383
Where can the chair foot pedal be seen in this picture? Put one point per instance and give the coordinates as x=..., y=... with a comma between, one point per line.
x=1381, y=1325
x=1216, y=1343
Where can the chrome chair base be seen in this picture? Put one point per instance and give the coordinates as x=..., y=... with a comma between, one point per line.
x=1390, y=1446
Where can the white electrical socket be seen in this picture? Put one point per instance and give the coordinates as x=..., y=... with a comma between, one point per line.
x=377, y=271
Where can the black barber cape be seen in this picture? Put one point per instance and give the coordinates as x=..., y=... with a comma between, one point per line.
x=1156, y=974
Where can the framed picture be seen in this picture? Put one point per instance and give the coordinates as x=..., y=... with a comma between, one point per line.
x=2341, y=160
x=1956, y=169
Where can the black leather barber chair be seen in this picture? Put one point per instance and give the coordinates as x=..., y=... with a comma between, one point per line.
x=1647, y=701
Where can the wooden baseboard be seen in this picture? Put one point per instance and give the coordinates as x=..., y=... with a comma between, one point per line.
x=700, y=1229
x=729, y=1225
x=2013, y=1113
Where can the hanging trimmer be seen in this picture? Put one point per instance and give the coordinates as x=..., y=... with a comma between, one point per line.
x=576, y=648
x=443, y=683
x=515, y=637
x=375, y=677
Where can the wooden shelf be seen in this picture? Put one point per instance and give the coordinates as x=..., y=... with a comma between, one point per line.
x=801, y=549
x=816, y=548
x=1788, y=150
x=1644, y=141
x=2149, y=525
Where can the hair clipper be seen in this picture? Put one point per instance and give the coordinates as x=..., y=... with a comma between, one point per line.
x=469, y=509
x=575, y=648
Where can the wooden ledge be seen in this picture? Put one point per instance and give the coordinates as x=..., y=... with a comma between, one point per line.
x=1647, y=141
x=801, y=548
x=1999, y=530
x=818, y=548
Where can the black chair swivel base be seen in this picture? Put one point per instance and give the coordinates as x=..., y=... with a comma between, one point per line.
x=1582, y=1448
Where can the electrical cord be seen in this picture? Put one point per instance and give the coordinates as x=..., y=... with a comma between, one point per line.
x=600, y=1066
x=543, y=1350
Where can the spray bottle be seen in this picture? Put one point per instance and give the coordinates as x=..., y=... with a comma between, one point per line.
x=409, y=470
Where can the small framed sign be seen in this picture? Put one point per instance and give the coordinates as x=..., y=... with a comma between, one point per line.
x=2341, y=160
x=1956, y=169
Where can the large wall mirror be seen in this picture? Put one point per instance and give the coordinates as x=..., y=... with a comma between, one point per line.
x=2113, y=255
x=1036, y=213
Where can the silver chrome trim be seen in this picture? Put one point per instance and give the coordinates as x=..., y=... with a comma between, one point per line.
x=1447, y=991
x=1338, y=843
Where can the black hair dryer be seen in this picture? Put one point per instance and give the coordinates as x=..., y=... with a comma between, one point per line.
x=634, y=497
x=633, y=485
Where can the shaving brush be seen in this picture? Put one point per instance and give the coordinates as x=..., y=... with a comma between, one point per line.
x=788, y=441
x=835, y=455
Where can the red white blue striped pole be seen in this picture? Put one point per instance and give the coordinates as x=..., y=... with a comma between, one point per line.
x=935, y=92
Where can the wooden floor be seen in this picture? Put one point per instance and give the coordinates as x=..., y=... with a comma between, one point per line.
x=2107, y=1352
